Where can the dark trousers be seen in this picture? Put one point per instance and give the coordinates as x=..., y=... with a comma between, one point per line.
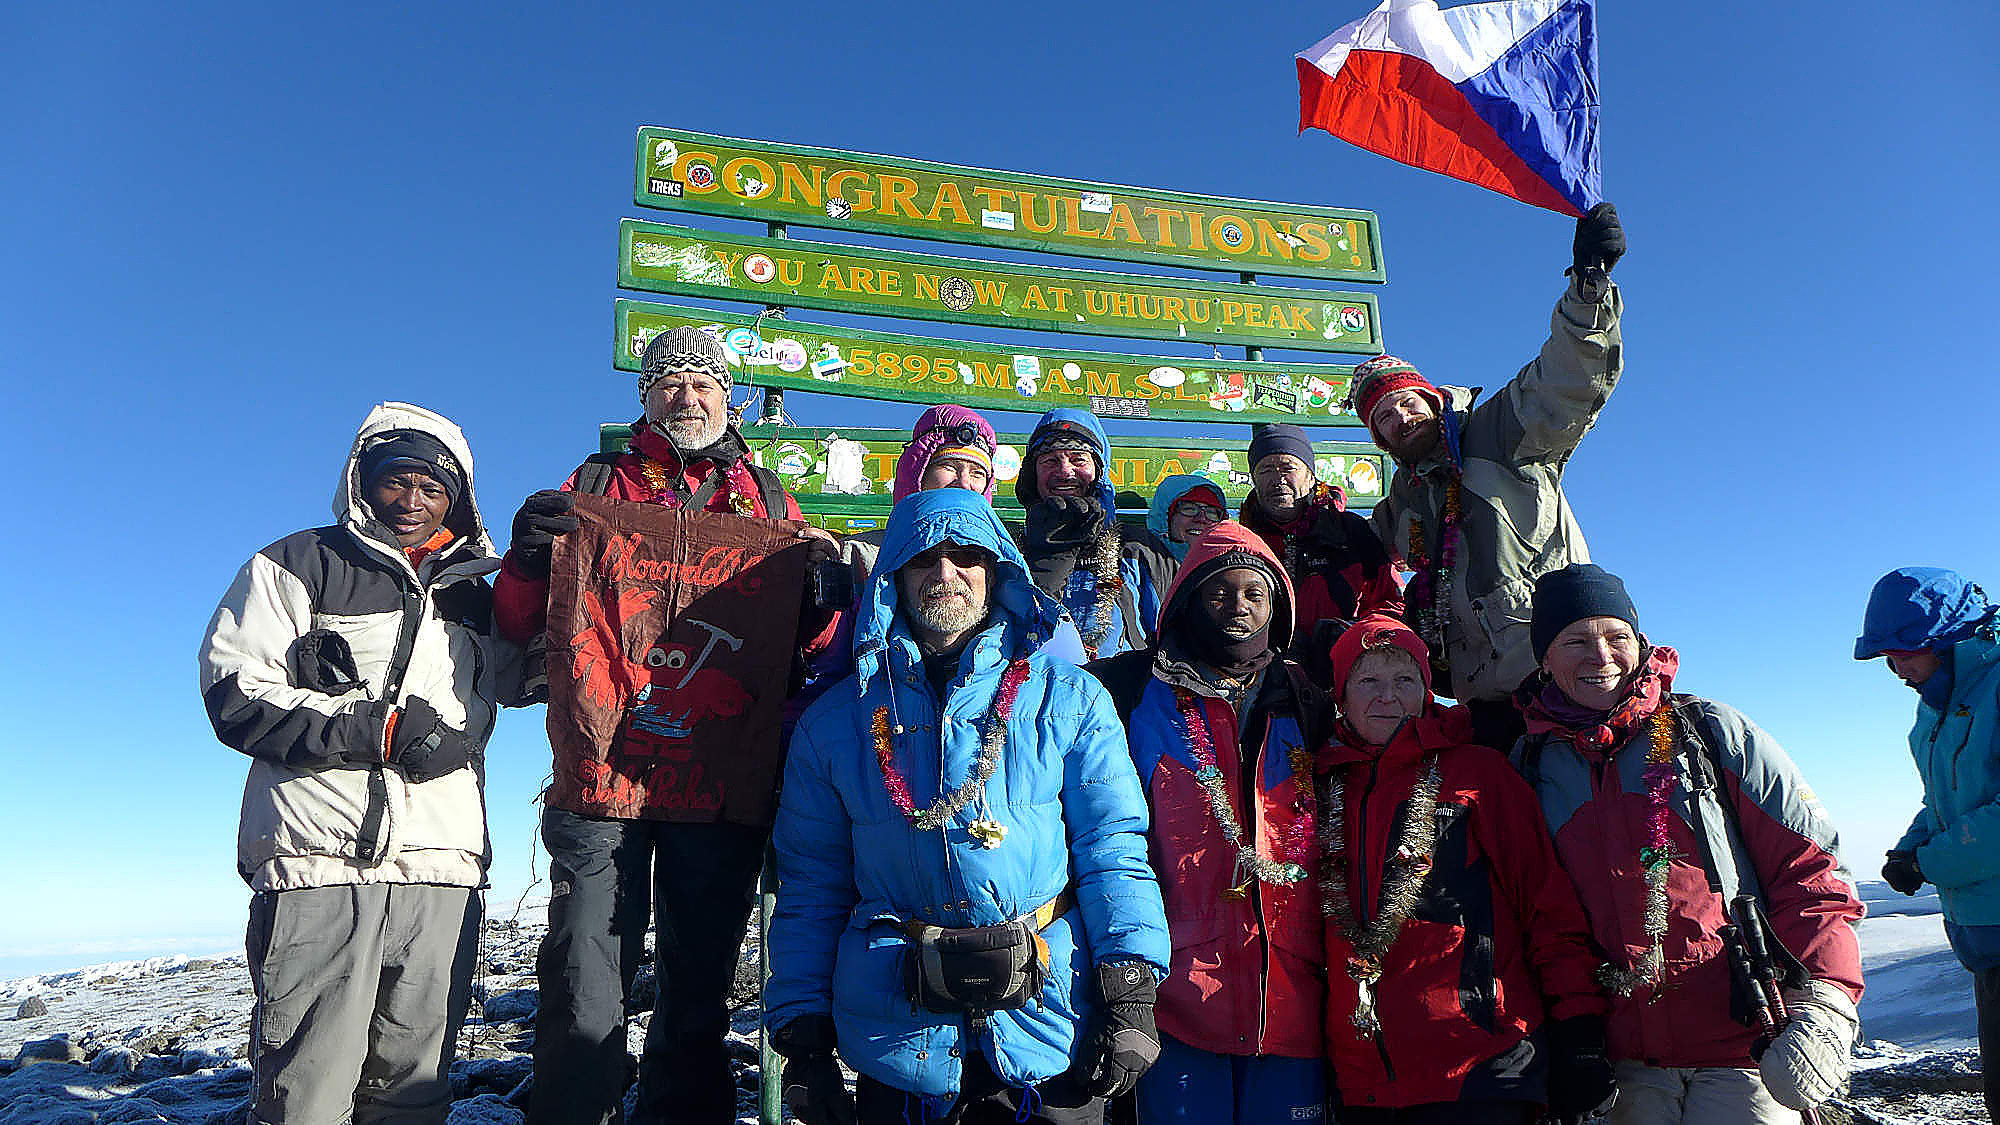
x=1986, y=994
x=697, y=881
x=1444, y=1113
x=983, y=1099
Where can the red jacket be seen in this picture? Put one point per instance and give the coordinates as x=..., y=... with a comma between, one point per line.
x=1496, y=941
x=1597, y=805
x=520, y=603
x=1340, y=569
x=1246, y=976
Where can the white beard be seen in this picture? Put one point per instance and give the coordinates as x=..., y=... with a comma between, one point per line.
x=950, y=616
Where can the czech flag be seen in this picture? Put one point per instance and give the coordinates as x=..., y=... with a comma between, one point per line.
x=1501, y=94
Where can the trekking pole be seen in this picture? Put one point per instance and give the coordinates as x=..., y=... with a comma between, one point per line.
x=770, y=1094
x=1768, y=998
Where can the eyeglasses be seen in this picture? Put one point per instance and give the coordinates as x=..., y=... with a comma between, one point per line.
x=961, y=556
x=1195, y=509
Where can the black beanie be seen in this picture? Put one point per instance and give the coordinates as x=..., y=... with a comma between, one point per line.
x=420, y=451
x=1267, y=438
x=1567, y=596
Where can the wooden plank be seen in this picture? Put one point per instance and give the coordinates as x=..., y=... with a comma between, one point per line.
x=660, y=258
x=682, y=170
x=860, y=463
x=827, y=359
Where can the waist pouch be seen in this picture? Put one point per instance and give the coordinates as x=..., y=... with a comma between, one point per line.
x=980, y=968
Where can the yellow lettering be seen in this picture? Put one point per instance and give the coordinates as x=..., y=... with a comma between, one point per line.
x=993, y=199
x=1314, y=236
x=1033, y=299
x=792, y=186
x=1271, y=242
x=1120, y=223
x=691, y=156
x=1061, y=294
x=927, y=285
x=949, y=199
x=733, y=171
x=1097, y=383
x=1232, y=311
x=990, y=292
x=899, y=193
x=1029, y=222
x=1163, y=226
x=829, y=278
x=791, y=272
x=836, y=187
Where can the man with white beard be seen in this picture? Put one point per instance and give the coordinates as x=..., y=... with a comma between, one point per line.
x=964, y=910
x=605, y=869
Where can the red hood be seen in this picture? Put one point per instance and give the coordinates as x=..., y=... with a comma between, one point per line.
x=1212, y=544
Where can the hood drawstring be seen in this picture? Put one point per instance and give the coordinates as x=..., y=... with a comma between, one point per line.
x=1031, y=1104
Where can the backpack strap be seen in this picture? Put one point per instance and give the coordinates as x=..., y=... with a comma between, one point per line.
x=594, y=476
x=1717, y=831
x=770, y=489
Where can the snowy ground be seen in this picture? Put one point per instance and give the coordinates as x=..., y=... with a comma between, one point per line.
x=165, y=1039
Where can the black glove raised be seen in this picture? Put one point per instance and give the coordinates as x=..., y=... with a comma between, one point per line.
x=1902, y=873
x=1582, y=1084
x=424, y=745
x=1600, y=241
x=1063, y=523
x=542, y=517
x=1127, y=1040
x=813, y=1085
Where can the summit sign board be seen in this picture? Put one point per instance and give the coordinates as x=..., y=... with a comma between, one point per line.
x=682, y=170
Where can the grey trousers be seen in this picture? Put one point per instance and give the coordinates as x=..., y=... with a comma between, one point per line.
x=1655, y=1095
x=360, y=994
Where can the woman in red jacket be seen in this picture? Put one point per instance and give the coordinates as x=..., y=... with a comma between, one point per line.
x=1458, y=962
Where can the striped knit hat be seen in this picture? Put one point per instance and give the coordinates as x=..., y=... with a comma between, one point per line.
x=684, y=349
x=1375, y=378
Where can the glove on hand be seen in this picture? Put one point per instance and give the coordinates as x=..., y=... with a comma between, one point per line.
x=323, y=662
x=1808, y=1060
x=1063, y=523
x=1600, y=241
x=1581, y=1082
x=542, y=517
x=814, y=1088
x=1902, y=873
x=1127, y=1040
x=424, y=745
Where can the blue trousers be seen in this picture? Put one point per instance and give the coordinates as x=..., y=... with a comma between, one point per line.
x=1191, y=1087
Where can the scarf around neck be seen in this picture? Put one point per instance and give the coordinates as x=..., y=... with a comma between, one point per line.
x=1548, y=711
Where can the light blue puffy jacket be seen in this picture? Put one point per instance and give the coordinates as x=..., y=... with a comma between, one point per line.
x=1956, y=835
x=852, y=867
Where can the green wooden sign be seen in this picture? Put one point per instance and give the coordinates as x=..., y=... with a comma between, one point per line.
x=781, y=183
x=788, y=354
x=859, y=463
x=740, y=267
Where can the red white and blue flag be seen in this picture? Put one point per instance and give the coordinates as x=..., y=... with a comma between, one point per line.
x=1501, y=94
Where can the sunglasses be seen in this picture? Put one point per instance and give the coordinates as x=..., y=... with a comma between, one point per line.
x=962, y=557
x=966, y=434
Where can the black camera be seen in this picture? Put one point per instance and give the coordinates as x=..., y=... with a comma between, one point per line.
x=832, y=584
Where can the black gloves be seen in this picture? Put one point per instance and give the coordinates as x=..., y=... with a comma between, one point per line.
x=814, y=1087
x=1127, y=1040
x=424, y=745
x=1600, y=241
x=322, y=662
x=1903, y=874
x=1063, y=523
x=542, y=517
x=1581, y=1081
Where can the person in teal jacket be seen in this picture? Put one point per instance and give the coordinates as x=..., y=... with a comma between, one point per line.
x=1184, y=505
x=1938, y=633
x=964, y=905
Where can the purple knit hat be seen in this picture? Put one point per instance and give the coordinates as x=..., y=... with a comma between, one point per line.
x=939, y=429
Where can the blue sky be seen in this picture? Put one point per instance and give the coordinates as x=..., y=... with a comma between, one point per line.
x=233, y=228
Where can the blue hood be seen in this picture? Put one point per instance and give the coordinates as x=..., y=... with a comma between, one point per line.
x=1077, y=423
x=1169, y=493
x=1919, y=607
x=922, y=521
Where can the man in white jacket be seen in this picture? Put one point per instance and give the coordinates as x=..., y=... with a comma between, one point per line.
x=357, y=666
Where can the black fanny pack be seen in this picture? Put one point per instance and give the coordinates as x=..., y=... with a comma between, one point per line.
x=980, y=968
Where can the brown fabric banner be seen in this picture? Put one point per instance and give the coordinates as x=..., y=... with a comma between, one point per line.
x=670, y=642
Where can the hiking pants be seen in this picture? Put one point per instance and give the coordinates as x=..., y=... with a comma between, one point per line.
x=984, y=1099
x=1188, y=1086
x=360, y=994
x=606, y=876
x=1658, y=1095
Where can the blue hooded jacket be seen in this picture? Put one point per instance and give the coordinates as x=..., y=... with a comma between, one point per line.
x=1129, y=623
x=853, y=868
x=1168, y=494
x=1956, y=745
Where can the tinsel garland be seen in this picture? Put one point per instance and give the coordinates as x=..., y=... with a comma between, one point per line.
x=739, y=490
x=1106, y=584
x=1294, y=844
x=992, y=741
x=1660, y=776
x=1430, y=586
x=1403, y=872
